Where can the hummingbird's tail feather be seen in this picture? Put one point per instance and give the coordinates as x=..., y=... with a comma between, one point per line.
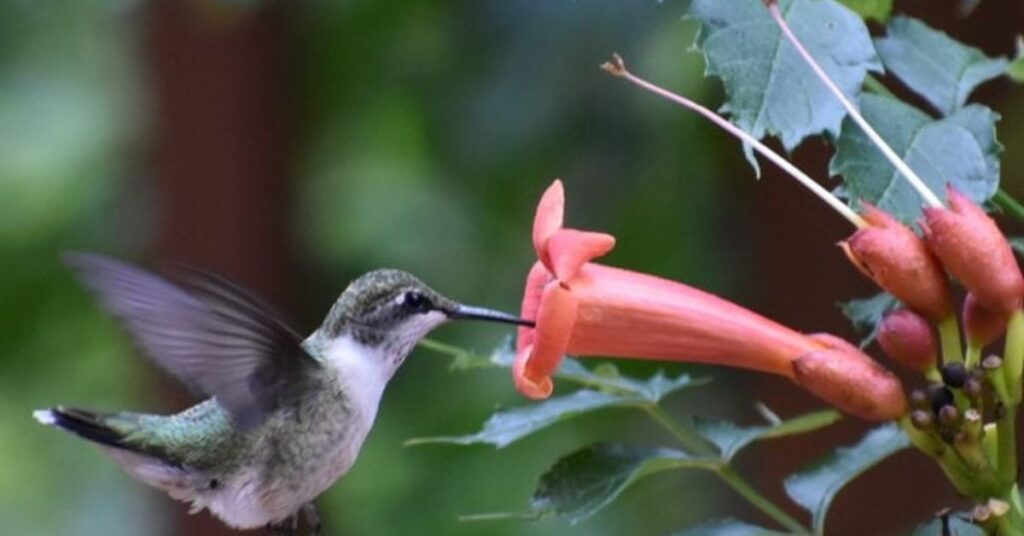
x=146, y=462
x=83, y=423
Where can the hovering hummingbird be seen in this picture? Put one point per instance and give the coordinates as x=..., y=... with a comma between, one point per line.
x=286, y=416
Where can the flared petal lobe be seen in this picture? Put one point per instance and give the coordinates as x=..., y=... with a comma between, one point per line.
x=556, y=320
x=548, y=219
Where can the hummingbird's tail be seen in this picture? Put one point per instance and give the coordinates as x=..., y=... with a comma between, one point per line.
x=118, y=435
x=83, y=423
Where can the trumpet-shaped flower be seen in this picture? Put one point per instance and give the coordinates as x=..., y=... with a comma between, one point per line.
x=590, y=309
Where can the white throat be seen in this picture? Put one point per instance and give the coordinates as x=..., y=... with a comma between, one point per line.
x=362, y=371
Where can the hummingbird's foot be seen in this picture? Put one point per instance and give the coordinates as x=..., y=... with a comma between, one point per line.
x=312, y=518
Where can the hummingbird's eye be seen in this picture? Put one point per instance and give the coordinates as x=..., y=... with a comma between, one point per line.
x=416, y=302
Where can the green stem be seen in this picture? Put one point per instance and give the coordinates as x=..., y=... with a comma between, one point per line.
x=1009, y=205
x=1013, y=357
x=973, y=356
x=949, y=337
x=762, y=503
x=1007, y=435
x=691, y=440
x=441, y=348
x=697, y=445
x=927, y=442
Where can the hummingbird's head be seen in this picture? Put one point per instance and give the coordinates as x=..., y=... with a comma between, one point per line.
x=392, y=310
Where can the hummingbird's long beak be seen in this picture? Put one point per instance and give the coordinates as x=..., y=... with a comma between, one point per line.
x=468, y=312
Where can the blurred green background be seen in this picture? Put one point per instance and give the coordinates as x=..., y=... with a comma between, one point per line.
x=293, y=146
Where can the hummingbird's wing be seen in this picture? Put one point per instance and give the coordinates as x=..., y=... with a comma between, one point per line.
x=210, y=334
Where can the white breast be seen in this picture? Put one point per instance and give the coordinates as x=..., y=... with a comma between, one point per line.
x=248, y=500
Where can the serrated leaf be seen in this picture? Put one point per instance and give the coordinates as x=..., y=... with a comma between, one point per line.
x=815, y=488
x=769, y=89
x=508, y=426
x=730, y=438
x=957, y=525
x=728, y=527
x=866, y=314
x=870, y=9
x=935, y=66
x=582, y=483
x=960, y=149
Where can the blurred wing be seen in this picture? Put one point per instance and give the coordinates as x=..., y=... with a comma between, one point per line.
x=210, y=334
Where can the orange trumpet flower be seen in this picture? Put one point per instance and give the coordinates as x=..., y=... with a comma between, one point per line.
x=589, y=309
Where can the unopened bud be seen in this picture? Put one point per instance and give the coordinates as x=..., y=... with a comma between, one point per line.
x=948, y=415
x=918, y=400
x=998, y=507
x=954, y=374
x=898, y=260
x=973, y=423
x=922, y=420
x=850, y=380
x=939, y=396
x=907, y=338
x=975, y=251
x=974, y=389
x=992, y=362
x=982, y=324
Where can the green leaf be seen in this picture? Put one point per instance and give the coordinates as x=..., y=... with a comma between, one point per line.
x=866, y=314
x=960, y=149
x=879, y=10
x=728, y=527
x=584, y=482
x=769, y=89
x=730, y=438
x=508, y=426
x=935, y=66
x=815, y=488
x=604, y=377
x=958, y=526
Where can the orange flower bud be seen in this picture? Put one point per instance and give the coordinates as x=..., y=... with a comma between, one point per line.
x=908, y=339
x=973, y=249
x=982, y=325
x=848, y=379
x=897, y=260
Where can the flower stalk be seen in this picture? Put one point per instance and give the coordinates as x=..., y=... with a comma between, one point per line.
x=617, y=67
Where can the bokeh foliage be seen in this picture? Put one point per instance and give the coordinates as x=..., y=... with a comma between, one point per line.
x=423, y=133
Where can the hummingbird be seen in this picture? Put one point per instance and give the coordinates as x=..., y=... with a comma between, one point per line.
x=285, y=416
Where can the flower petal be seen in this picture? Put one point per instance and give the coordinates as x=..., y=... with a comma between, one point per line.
x=536, y=389
x=568, y=249
x=550, y=213
x=538, y=361
x=535, y=282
